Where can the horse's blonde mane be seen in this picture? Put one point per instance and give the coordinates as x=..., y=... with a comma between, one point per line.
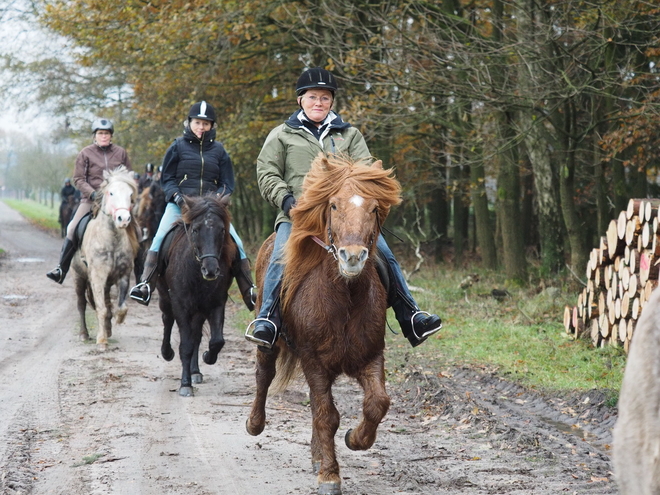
x=329, y=175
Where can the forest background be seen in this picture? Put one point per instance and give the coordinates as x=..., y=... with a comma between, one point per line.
x=517, y=128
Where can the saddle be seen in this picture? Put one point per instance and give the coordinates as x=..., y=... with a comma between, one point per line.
x=164, y=251
x=384, y=274
x=79, y=233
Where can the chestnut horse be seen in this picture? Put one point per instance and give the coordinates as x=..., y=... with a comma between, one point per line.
x=333, y=304
x=106, y=254
x=150, y=209
x=193, y=287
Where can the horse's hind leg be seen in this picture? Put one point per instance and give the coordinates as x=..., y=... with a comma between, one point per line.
x=374, y=406
x=264, y=374
x=122, y=307
x=81, y=288
x=168, y=322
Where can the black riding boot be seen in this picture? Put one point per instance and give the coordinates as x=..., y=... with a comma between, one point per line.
x=416, y=325
x=66, y=255
x=142, y=291
x=240, y=269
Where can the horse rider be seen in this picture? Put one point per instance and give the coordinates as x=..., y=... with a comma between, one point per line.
x=91, y=162
x=195, y=164
x=147, y=178
x=67, y=191
x=282, y=164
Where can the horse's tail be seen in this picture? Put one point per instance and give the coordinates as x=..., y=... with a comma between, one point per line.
x=288, y=369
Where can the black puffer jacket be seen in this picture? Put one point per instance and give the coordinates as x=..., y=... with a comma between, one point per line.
x=193, y=167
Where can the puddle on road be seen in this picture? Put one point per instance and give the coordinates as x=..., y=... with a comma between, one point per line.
x=30, y=260
x=576, y=431
x=14, y=297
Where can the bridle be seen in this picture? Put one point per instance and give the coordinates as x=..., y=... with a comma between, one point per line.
x=198, y=257
x=332, y=247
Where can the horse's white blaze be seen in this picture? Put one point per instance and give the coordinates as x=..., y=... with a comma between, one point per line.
x=357, y=200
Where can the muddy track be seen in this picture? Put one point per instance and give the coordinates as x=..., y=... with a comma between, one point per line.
x=75, y=421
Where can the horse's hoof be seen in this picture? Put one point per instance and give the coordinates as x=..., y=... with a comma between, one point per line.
x=347, y=439
x=102, y=347
x=316, y=467
x=252, y=430
x=83, y=337
x=168, y=354
x=209, y=358
x=197, y=378
x=186, y=391
x=109, y=332
x=333, y=488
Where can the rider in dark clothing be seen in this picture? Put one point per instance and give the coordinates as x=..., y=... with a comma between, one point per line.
x=67, y=191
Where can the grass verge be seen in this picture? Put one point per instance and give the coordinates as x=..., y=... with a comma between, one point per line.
x=521, y=336
x=40, y=215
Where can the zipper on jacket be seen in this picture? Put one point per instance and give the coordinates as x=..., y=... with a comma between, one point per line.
x=185, y=178
x=201, y=155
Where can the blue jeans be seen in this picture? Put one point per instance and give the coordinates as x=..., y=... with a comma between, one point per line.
x=273, y=278
x=172, y=214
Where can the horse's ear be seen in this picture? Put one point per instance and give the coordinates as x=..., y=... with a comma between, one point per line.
x=377, y=164
x=225, y=200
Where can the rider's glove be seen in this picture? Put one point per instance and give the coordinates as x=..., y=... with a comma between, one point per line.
x=92, y=196
x=178, y=199
x=288, y=203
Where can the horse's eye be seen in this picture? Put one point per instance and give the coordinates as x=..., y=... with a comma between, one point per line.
x=333, y=206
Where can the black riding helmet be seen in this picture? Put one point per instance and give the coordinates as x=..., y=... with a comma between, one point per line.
x=203, y=111
x=316, y=78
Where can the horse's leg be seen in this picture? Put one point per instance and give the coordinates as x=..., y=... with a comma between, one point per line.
x=217, y=339
x=195, y=374
x=98, y=284
x=264, y=375
x=81, y=289
x=168, y=322
x=189, y=343
x=374, y=406
x=325, y=422
x=122, y=289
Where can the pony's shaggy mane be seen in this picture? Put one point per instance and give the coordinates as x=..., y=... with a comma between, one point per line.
x=327, y=177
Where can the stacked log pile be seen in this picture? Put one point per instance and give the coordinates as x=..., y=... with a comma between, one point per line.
x=621, y=274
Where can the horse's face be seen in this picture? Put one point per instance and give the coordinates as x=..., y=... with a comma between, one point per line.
x=207, y=237
x=118, y=200
x=353, y=227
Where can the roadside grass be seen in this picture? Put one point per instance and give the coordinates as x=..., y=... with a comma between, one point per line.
x=40, y=215
x=520, y=337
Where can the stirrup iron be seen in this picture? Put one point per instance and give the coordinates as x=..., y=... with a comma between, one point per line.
x=428, y=332
x=249, y=333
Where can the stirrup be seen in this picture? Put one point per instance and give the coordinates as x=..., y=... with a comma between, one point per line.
x=426, y=334
x=137, y=295
x=56, y=275
x=249, y=334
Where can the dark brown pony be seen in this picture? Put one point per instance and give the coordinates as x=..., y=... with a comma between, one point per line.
x=333, y=304
x=151, y=207
x=194, y=285
x=67, y=210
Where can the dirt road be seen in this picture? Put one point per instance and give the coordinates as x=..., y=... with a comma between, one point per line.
x=78, y=422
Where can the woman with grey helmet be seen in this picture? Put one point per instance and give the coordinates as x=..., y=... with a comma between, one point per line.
x=91, y=162
x=195, y=164
x=283, y=162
